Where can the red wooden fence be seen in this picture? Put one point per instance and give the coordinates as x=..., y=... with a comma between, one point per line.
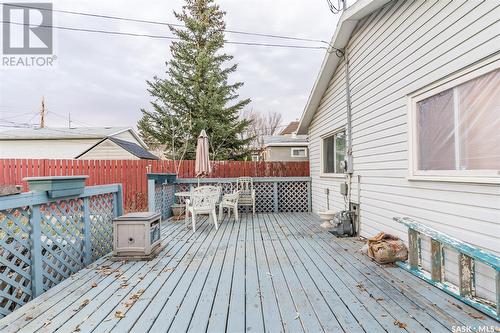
x=132, y=173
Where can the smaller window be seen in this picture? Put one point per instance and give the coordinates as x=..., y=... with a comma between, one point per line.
x=334, y=152
x=299, y=152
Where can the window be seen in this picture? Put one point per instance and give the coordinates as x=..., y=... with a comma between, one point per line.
x=334, y=147
x=299, y=152
x=456, y=129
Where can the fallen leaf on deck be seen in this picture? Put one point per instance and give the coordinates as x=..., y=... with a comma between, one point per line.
x=379, y=299
x=128, y=304
x=400, y=324
x=28, y=318
x=476, y=316
x=77, y=328
x=297, y=315
x=47, y=323
x=119, y=314
x=124, y=285
x=361, y=287
x=84, y=303
x=94, y=284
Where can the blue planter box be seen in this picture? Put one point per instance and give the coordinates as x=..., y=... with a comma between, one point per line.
x=163, y=178
x=58, y=186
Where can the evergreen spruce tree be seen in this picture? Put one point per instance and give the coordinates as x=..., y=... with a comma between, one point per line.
x=197, y=94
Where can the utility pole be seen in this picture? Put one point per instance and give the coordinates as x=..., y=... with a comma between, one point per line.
x=42, y=114
x=69, y=120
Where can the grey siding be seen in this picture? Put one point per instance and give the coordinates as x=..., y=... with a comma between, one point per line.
x=273, y=154
x=401, y=48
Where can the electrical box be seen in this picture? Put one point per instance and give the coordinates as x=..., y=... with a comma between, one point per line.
x=344, y=189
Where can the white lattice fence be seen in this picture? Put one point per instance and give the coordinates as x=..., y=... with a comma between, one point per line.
x=264, y=196
x=285, y=194
x=291, y=197
x=43, y=241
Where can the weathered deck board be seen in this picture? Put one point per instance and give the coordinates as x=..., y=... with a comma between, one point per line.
x=269, y=272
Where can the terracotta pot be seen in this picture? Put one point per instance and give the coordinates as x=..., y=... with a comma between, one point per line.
x=178, y=210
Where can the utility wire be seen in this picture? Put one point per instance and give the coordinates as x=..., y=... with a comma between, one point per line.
x=72, y=120
x=17, y=115
x=165, y=37
x=120, y=18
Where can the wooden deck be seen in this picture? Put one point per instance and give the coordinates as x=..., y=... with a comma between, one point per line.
x=271, y=272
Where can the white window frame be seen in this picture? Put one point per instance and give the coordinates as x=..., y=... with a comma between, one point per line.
x=324, y=174
x=467, y=176
x=298, y=148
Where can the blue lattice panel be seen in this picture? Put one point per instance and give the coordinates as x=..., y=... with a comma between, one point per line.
x=101, y=211
x=43, y=241
x=292, y=197
x=15, y=261
x=62, y=240
x=168, y=199
x=158, y=197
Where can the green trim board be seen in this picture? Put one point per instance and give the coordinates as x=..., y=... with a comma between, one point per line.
x=467, y=255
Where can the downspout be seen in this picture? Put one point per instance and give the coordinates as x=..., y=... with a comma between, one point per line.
x=350, y=168
x=349, y=116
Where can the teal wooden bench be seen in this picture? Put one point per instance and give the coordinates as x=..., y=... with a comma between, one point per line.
x=467, y=256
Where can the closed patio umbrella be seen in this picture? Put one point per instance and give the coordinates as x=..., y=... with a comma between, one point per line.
x=202, y=164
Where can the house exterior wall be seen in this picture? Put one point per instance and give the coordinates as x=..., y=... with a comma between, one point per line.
x=67, y=148
x=401, y=48
x=275, y=154
x=108, y=150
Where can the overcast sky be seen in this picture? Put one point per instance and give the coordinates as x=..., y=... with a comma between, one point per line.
x=100, y=79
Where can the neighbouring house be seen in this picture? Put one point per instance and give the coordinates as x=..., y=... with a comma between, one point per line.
x=103, y=143
x=291, y=128
x=422, y=101
x=285, y=148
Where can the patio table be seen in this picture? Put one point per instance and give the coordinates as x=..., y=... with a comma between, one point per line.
x=183, y=194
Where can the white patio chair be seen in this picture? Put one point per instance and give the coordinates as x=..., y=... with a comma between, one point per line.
x=247, y=194
x=202, y=201
x=229, y=201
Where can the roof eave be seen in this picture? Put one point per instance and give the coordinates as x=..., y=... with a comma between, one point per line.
x=346, y=25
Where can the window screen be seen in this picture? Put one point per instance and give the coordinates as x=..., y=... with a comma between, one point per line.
x=458, y=129
x=333, y=152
